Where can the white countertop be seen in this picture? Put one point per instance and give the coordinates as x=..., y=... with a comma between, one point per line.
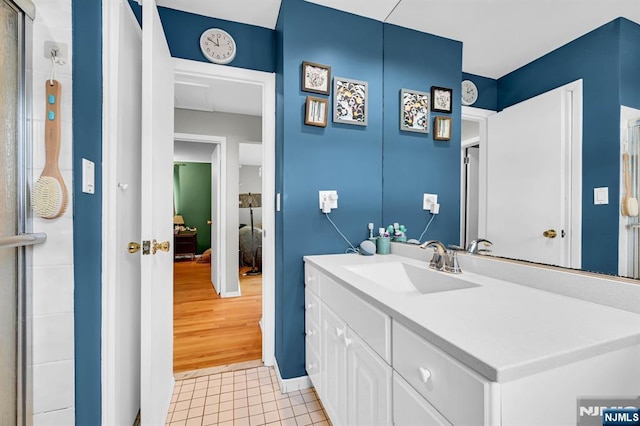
x=502, y=330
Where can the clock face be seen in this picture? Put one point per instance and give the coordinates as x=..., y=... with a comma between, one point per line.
x=469, y=92
x=218, y=46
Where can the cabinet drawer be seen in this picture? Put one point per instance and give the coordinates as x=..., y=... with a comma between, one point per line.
x=410, y=408
x=371, y=324
x=313, y=368
x=312, y=278
x=312, y=333
x=311, y=306
x=453, y=389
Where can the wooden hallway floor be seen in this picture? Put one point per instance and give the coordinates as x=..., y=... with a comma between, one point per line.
x=209, y=331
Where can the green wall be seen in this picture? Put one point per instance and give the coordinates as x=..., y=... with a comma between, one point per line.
x=192, y=197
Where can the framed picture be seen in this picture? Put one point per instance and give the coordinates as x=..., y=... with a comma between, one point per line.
x=414, y=111
x=441, y=99
x=316, y=111
x=350, y=101
x=442, y=128
x=316, y=78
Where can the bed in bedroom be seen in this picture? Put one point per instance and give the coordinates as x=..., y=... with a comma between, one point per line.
x=246, y=253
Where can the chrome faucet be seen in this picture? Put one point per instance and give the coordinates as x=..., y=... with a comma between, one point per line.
x=473, y=245
x=442, y=259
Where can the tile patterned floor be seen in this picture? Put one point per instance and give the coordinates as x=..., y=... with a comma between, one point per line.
x=248, y=397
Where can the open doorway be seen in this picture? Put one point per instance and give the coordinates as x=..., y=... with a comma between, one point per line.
x=220, y=314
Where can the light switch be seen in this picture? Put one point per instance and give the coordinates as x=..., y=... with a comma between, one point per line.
x=601, y=195
x=88, y=176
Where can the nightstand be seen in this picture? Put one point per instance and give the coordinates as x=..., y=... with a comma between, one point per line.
x=185, y=243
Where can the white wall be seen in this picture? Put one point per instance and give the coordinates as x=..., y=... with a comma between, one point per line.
x=235, y=128
x=53, y=348
x=192, y=152
x=250, y=181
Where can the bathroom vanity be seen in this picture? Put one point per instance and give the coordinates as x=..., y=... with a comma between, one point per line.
x=390, y=341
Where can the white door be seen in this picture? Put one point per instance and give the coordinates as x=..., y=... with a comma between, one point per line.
x=216, y=214
x=368, y=385
x=527, y=184
x=156, y=220
x=123, y=364
x=334, y=366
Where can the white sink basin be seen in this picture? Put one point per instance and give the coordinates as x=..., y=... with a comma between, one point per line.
x=406, y=278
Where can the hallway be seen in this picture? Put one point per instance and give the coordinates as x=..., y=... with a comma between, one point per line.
x=211, y=331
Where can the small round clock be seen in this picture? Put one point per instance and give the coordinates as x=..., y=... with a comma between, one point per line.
x=218, y=46
x=469, y=92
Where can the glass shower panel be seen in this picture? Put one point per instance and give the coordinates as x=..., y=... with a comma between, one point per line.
x=9, y=111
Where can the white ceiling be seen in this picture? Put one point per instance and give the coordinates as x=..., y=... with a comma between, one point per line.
x=498, y=36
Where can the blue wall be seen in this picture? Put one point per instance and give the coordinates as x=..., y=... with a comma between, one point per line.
x=629, y=64
x=87, y=209
x=594, y=58
x=487, y=91
x=255, y=45
x=413, y=163
x=343, y=157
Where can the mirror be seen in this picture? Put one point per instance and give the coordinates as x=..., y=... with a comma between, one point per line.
x=605, y=237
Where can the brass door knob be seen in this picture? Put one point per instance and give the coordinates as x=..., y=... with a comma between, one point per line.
x=209, y=222
x=160, y=246
x=550, y=233
x=133, y=247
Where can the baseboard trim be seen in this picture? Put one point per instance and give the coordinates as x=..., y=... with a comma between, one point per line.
x=291, y=385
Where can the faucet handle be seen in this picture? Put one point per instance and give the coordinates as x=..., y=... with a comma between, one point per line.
x=453, y=266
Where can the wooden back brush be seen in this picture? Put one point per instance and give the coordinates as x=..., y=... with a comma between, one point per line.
x=49, y=195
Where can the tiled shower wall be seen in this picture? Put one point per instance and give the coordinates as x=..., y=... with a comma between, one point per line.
x=53, y=347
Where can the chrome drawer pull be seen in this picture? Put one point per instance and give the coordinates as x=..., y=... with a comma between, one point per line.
x=339, y=332
x=347, y=342
x=425, y=374
x=309, y=333
x=309, y=306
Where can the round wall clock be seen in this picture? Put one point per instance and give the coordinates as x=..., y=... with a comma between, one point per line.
x=469, y=92
x=218, y=46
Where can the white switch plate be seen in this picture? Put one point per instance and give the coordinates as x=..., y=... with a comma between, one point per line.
x=429, y=200
x=322, y=195
x=601, y=195
x=88, y=176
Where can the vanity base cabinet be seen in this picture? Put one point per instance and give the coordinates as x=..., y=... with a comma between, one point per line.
x=352, y=379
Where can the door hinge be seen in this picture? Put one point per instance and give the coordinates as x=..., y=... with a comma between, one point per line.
x=466, y=160
x=562, y=233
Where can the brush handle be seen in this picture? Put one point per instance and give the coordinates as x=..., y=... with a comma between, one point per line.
x=52, y=129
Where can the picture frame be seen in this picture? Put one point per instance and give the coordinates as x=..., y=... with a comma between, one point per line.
x=316, y=111
x=316, y=78
x=441, y=99
x=441, y=128
x=414, y=111
x=350, y=101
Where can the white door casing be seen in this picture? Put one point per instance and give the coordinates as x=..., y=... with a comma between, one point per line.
x=218, y=208
x=533, y=172
x=156, y=308
x=267, y=82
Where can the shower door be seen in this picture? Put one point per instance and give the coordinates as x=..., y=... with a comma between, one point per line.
x=15, y=28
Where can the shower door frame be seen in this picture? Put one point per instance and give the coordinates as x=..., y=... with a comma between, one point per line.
x=23, y=239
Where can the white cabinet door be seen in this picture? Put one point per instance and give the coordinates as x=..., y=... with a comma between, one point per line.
x=368, y=384
x=334, y=366
x=410, y=408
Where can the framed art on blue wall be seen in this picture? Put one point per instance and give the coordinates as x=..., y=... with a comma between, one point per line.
x=316, y=78
x=441, y=99
x=414, y=111
x=350, y=101
x=316, y=111
x=442, y=128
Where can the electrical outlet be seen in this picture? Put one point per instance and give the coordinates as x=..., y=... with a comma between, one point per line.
x=331, y=196
x=429, y=200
